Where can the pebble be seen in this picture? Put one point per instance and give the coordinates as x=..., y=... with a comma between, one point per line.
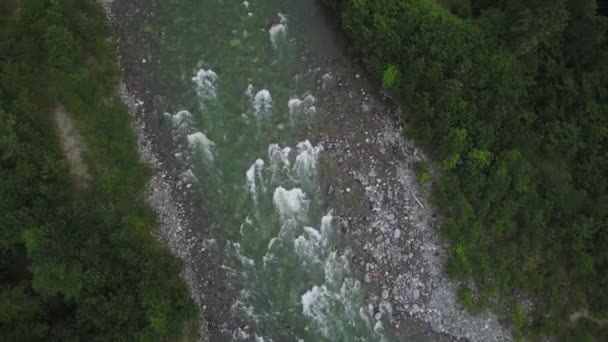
x=397, y=233
x=385, y=294
x=415, y=294
x=347, y=189
x=378, y=316
x=330, y=190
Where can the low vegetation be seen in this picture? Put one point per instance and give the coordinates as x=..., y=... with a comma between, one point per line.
x=77, y=264
x=509, y=99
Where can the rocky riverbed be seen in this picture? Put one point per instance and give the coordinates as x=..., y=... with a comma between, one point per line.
x=367, y=176
x=167, y=193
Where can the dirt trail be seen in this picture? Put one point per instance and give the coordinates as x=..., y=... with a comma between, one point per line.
x=72, y=144
x=584, y=313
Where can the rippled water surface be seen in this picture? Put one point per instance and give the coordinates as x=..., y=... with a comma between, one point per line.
x=241, y=101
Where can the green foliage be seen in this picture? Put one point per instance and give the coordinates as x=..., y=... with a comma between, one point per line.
x=480, y=158
x=510, y=100
x=422, y=172
x=518, y=317
x=77, y=263
x=390, y=78
x=466, y=298
x=61, y=47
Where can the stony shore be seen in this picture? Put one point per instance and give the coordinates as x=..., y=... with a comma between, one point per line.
x=178, y=209
x=369, y=181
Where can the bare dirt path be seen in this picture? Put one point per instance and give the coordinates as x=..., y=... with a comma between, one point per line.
x=72, y=144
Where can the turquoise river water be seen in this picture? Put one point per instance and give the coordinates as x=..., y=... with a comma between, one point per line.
x=243, y=100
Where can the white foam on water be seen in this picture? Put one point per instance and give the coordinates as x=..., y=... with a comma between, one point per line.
x=336, y=268
x=199, y=143
x=279, y=157
x=273, y=241
x=246, y=4
x=255, y=179
x=240, y=335
x=236, y=250
x=207, y=82
x=294, y=106
x=309, y=100
x=249, y=91
x=269, y=256
x=309, y=245
x=299, y=108
x=279, y=161
x=282, y=17
x=290, y=204
x=316, y=306
x=278, y=31
x=181, y=121
x=307, y=159
x=292, y=207
x=247, y=225
x=262, y=103
x=327, y=226
x=351, y=292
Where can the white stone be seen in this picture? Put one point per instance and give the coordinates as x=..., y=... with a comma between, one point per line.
x=397, y=233
x=385, y=294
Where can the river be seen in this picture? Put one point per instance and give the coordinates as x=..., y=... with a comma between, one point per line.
x=243, y=99
x=282, y=177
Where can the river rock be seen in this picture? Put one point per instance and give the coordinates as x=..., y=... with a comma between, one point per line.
x=385, y=294
x=397, y=234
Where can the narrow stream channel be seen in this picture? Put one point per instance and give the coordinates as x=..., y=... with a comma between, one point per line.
x=243, y=100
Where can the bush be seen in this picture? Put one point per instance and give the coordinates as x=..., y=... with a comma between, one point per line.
x=390, y=78
x=422, y=172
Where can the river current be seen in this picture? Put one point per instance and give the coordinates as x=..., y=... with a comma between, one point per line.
x=242, y=101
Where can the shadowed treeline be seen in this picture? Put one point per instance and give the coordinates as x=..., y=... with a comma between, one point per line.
x=77, y=263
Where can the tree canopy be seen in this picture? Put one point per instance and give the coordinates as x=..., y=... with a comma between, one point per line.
x=76, y=263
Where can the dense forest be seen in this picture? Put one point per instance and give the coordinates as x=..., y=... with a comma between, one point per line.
x=78, y=263
x=510, y=100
